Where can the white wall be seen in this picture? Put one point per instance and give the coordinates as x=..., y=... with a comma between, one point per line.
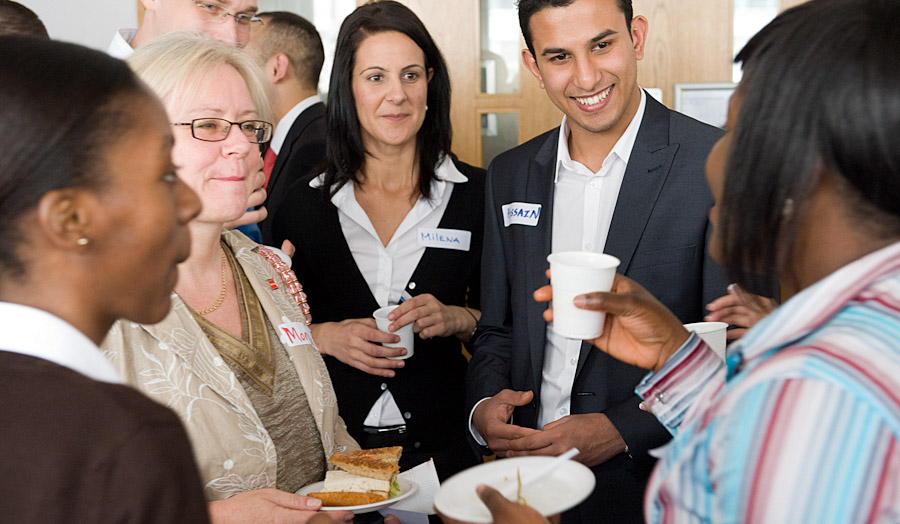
x=94, y=22
x=87, y=22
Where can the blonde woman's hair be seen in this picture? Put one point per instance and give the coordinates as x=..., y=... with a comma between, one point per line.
x=183, y=62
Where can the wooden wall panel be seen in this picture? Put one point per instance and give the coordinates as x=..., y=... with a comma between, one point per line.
x=687, y=42
x=785, y=4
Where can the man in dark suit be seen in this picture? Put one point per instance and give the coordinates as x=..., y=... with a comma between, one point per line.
x=622, y=175
x=290, y=50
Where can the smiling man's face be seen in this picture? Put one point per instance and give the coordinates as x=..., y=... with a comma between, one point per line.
x=586, y=61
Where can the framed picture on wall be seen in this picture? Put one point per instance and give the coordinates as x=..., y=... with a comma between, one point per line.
x=705, y=102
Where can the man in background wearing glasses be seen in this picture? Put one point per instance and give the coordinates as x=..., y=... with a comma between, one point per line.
x=229, y=21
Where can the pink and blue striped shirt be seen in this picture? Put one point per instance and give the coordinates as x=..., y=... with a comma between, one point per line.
x=802, y=421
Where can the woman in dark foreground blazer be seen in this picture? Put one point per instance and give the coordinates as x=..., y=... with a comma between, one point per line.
x=92, y=224
x=393, y=219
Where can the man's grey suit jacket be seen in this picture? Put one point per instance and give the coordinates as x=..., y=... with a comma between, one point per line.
x=659, y=231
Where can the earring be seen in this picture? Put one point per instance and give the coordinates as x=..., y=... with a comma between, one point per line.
x=83, y=241
x=426, y=107
x=788, y=208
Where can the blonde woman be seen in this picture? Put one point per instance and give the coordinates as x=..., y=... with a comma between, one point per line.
x=234, y=357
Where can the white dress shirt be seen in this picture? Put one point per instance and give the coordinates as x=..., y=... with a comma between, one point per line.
x=284, y=125
x=36, y=333
x=120, y=47
x=583, y=205
x=387, y=269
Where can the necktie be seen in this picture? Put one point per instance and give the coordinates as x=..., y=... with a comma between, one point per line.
x=268, y=164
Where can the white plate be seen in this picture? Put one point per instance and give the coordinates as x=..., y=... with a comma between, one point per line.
x=407, y=488
x=560, y=490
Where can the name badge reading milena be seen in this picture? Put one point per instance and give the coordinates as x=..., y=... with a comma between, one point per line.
x=457, y=239
x=521, y=213
x=293, y=334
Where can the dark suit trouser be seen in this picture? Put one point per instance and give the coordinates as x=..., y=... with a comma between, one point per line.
x=622, y=479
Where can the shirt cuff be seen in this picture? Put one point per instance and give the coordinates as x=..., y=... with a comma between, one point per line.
x=671, y=391
x=474, y=432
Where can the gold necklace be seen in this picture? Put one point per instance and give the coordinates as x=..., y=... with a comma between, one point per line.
x=221, y=299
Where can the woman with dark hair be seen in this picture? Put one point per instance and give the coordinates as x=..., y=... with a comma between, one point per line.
x=802, y=421
x=93, y=222
x=394, y=219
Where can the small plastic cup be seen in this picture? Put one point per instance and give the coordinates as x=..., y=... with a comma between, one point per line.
x=713, y=333
x=575, y=273
x=407, y=338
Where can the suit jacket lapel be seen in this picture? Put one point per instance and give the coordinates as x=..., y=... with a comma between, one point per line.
x=539, y=188
x=252, y=264
x=648, y=167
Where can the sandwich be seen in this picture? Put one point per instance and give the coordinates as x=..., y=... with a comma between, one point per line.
x=390, y=454
x=364, y=477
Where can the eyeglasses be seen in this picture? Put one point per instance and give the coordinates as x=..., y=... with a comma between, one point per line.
x=217, y=129
x=218, y=14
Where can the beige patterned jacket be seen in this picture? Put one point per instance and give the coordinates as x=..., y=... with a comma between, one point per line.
x=175, y=364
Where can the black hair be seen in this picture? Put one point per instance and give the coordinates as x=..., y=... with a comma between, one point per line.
x=344, y=150
x=60, y=107
x=529, y=8
x=297, y=38
x=820, y=100
x=16, y=19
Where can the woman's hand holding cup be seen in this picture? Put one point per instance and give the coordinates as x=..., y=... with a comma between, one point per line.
x=638, y=329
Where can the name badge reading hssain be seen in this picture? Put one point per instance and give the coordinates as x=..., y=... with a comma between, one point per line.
x=521, y=213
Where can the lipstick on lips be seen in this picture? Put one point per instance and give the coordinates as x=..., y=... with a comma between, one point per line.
x=395, y=117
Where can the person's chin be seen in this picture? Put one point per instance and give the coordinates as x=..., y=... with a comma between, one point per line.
x=154, y=309
x=224, y=209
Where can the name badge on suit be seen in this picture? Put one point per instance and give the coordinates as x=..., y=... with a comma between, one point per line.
x=521, y=213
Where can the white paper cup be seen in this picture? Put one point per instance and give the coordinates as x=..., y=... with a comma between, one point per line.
x=575, y=273
x=713, y=333
x=407, y=338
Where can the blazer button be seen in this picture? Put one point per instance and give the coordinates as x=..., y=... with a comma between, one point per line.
x=383, y=386
x=417, y=445
x=412, y=285
x=407, y=415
